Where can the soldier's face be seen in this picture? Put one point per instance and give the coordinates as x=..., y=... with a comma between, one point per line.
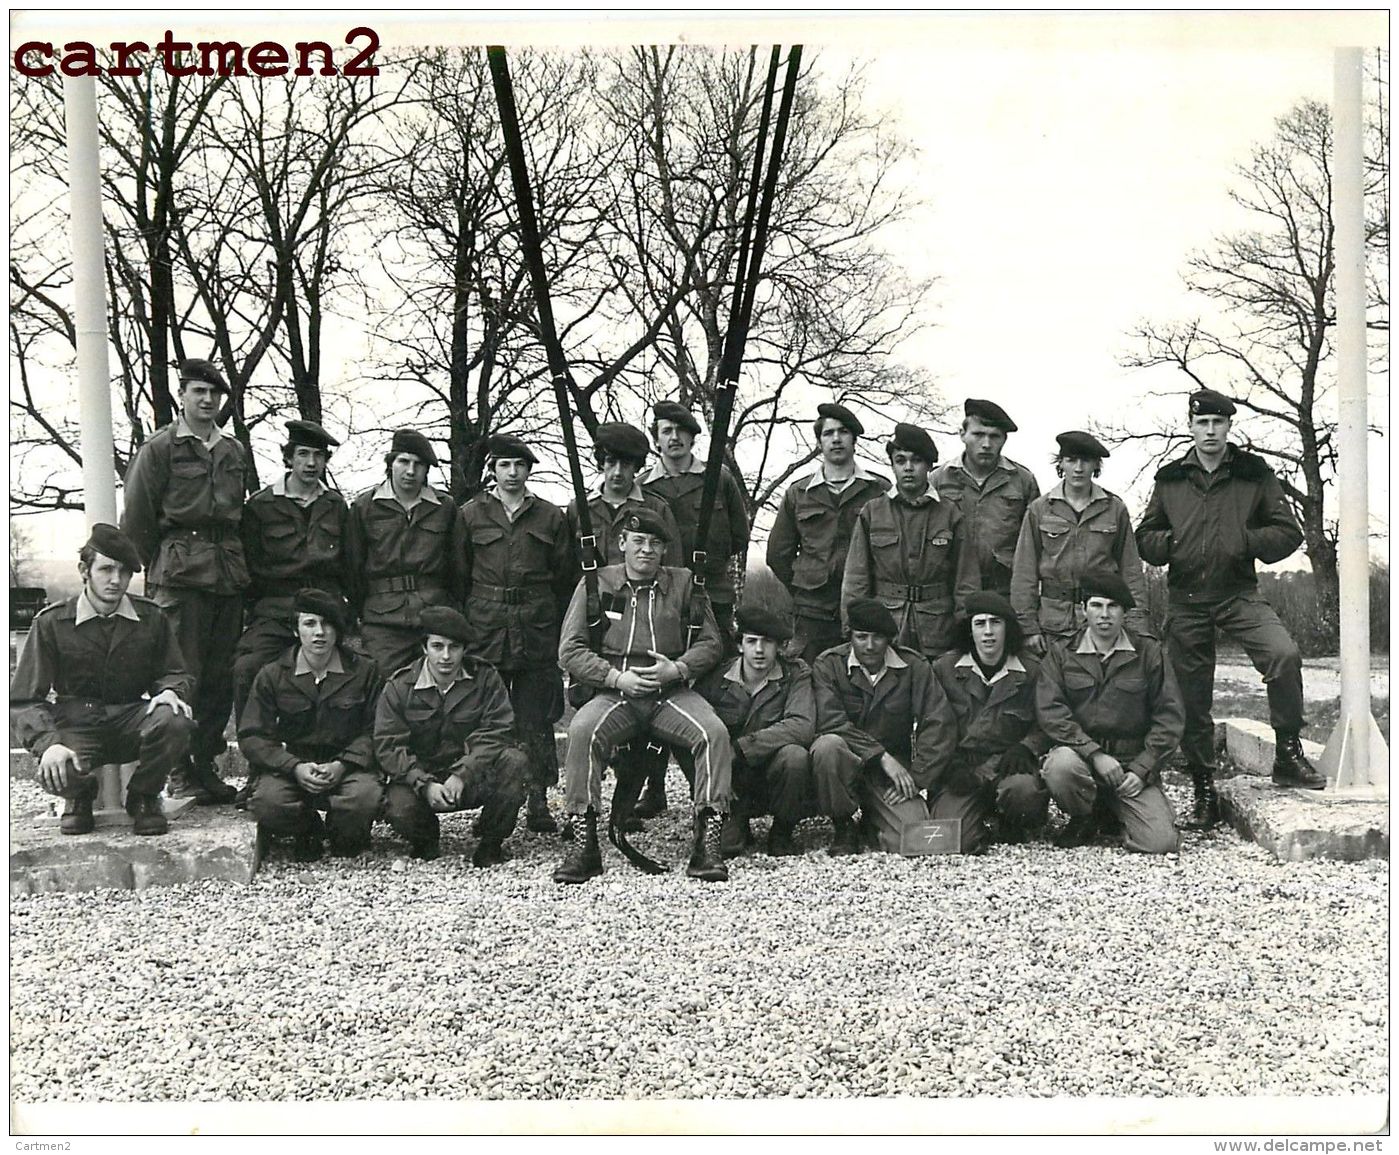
x=982, y=443
x=868, y=648
x=199, y=401
x=317, y=636
x=106, y=581
x=1210, y=432
x=408, y=473
x=673, y=441
x=1104, y=618
x=642, y=552
x=910, y=472
x=837, y=442
x=1078, y=471
x=511, y=473
x=989, y=637
x=444, y=656
x=308, y=463
x=759, y=652
x=618, y=474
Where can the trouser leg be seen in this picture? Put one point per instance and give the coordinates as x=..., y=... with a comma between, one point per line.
x=883, y=818
x=266, y=640
x=1190, y=644
x=391, y=647
x=818, y=633
x=971, y=811
x=1148, y=822
x=684, y=718
x=834, y=769
x=207, y=627
x=536, y=697
x=163, y=741
x=410, y=816
x=1070, y=782
x=1022, y=799
x=724, y=619
x=499, y=789
x=1273, y=653
x=352, y=806
x=600, y=726
x=789, y=788
x=280, y=806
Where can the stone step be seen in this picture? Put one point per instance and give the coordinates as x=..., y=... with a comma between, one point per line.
x=1249, y=744
x=1300, y=824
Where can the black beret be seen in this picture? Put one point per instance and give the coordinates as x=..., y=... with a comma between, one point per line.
x=411, y=441
x=510, y=447
x=1207, y=401
x=624, y=440
x=988, y=602
x=313, y=601
x=989, y=413
x=198, y=369
x=110, y=542
x=310, y=434
x=763, y=622
x=1076, y=443
x=1106, y=585
x=671, y=411
x=445, y=622
x=870, y=616
x=843, y=415
x=911, y=439
x=646, y=520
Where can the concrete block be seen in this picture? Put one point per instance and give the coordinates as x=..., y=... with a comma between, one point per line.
x=1249, y=744
x=1301, y=824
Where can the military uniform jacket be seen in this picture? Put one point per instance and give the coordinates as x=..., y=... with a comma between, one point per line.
x=810, y=538
x=906, y=714
x=182, y=508
x=1128, y=703
x=290, y=718
x=398, y=561
x=781, y=713
x=1058, y=546
x=915, y=559
x=607, y=521
x=420, y=735
x=992, y=511
x=728, y=528
x=517, y=577
x=991, y=718
x=101, y=663
x=289, y=545
x=655, y=616
x=1209, y=527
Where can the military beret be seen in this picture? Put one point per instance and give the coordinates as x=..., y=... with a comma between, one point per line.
x=763, y=622
x=411, y=441
x=843, y=415
x=110, y=542
x=988, y=602
x=310, y=434
x=870, y=616
x=510, y=447
x=671, y=411
x=1106, y=585
x=1207, y=401
x=911, y=439
x=1076, y=443
x=198, y=369
x=445, y=622
x=313, y=601
x=988, y=413
x=624, y=440
x=646, y=520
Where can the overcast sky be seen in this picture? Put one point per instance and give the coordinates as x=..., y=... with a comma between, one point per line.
x=1070, y=163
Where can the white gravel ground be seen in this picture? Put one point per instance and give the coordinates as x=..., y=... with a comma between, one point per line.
x=1028, y=972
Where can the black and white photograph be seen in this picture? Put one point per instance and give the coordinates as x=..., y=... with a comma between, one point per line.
x=747, y=573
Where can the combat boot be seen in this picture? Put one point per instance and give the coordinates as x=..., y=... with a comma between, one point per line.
x=1291, y=766
x=1081, y=830
x=846, y=839
x=706, y=861
x=1205, y=812
x=489, y=853
x=146, y=815
x=537, y=816
x=781, y=840
x=308, y=843
x=736, y=836
x=584, y=858
x=653, y=800
x=77, y=816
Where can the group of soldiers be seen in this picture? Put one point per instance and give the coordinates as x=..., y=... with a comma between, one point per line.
x=960, y=646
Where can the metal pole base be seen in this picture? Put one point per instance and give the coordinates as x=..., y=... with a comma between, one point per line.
x=109, y=807
x=1357, y=763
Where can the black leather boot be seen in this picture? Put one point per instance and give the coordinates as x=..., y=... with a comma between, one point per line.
x=77, y=816
x=1205, y=812
x=781, y=839
x=537, y=816
x=1291, y=766
x=584, y=859
x=846, y=839
x=706, y=861
x=653, y=800
x=147, y=817
x=1081, y=830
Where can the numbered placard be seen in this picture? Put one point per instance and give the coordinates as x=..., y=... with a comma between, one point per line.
x=931, y=836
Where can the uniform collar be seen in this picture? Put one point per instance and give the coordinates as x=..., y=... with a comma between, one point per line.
x=634, y=494
x=735, y=673
x=1095, y=493
x=656, y=469
x=425, y=681
x=86, y=610
x=661, y=581
x=1004, y=463
x=279, y=488
x=182, y=429
x=385, y=493
x=929, y=495
x=819, y=477
x=334, y=666
x=1011, y=665
x=1124, y=645
x=892, y=660
x=494, y=494
x=1192, y=458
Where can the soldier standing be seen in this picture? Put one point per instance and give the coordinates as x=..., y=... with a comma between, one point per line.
x=1078, y=527
x=402, y=553
x=908, y=551
x=620, y=451
x=518, y=576
x=99, y=653
x=992, y=491
x=184, y=501
x=811, y=536
x=1212, y=513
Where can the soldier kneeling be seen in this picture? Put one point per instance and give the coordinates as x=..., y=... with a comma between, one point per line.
x=307, y=730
